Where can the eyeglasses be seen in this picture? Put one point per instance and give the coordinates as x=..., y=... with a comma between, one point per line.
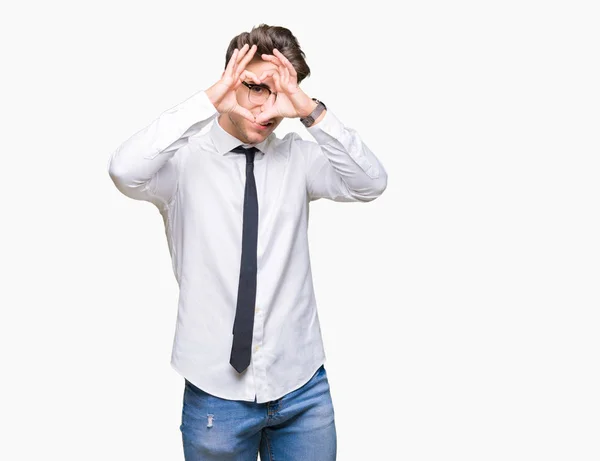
x=258, y=94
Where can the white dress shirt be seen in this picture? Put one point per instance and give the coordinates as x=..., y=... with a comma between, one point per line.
x=182, y=163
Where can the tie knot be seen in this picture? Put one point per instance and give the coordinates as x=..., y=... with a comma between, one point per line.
x=249, y=152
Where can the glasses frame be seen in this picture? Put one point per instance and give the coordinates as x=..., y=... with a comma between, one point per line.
x=252, y=85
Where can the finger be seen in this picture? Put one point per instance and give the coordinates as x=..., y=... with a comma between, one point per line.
x=243, y=51
x=247, y=75
x=231, y=63
x=286, y=62
x=273, y=59
x=240, y=56
x=274, y=74
x=244, y=60
x=286, y=75
x=278, y=83
x=280, y=69
x=270, y=58
x=247, y=57
x=266, y=74
x=267, y=115
x=279, y=62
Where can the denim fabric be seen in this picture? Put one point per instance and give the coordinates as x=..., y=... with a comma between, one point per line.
x=299, y=426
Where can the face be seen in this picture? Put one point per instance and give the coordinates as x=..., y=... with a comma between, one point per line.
x=246, y=131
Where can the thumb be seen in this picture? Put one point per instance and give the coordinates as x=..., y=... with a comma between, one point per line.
x=267, y=115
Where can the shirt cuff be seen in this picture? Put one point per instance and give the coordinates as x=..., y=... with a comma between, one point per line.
x=329, y=127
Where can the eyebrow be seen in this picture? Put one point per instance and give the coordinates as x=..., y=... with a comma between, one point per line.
x=263, y=85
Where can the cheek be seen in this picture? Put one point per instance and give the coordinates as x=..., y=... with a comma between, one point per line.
x=241, y=122
x=242, y=98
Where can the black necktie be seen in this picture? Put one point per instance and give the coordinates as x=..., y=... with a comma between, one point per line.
x=244, y=314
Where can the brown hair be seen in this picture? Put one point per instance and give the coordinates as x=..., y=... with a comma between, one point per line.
x=268, y=37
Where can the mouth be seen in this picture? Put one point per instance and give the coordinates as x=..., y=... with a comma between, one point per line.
x=263, y=126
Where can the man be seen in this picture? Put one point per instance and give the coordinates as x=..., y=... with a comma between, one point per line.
x=235, y=199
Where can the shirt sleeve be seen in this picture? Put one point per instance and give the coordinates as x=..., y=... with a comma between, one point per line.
x=145, y=166
x=340, y=167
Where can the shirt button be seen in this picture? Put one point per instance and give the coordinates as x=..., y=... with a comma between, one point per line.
x=256, y=348
x=257, y=309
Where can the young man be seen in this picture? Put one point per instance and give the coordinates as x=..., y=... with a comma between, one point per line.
x=235, y=200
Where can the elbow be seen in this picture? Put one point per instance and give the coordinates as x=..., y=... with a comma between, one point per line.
x=377, y=185
x=117, y=173
x=381, y=184
x=122, y=172
x=115, y=168
x=124, y=179
x=114, y=172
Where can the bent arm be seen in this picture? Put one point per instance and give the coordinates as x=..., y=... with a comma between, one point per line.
x=341, y=167
x=145, y=166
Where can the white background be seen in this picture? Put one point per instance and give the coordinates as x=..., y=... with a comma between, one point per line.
x=460, y=310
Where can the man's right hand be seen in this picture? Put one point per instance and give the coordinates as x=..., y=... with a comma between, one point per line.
x=222, y=94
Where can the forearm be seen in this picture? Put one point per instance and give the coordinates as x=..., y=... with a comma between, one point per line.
x=143, y=155
x=347, y=160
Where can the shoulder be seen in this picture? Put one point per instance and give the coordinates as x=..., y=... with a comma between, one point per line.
x=202, y=141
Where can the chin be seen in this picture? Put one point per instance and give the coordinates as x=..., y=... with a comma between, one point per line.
x=255, y=135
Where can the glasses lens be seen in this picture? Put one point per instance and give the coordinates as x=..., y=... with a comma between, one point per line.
x=258, y=94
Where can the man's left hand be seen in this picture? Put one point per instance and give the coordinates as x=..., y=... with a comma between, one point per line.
x=291, y=101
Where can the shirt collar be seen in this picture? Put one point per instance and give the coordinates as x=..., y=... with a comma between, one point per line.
x=224, y=142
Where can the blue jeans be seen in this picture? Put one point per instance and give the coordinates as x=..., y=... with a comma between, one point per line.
x=299, y=426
